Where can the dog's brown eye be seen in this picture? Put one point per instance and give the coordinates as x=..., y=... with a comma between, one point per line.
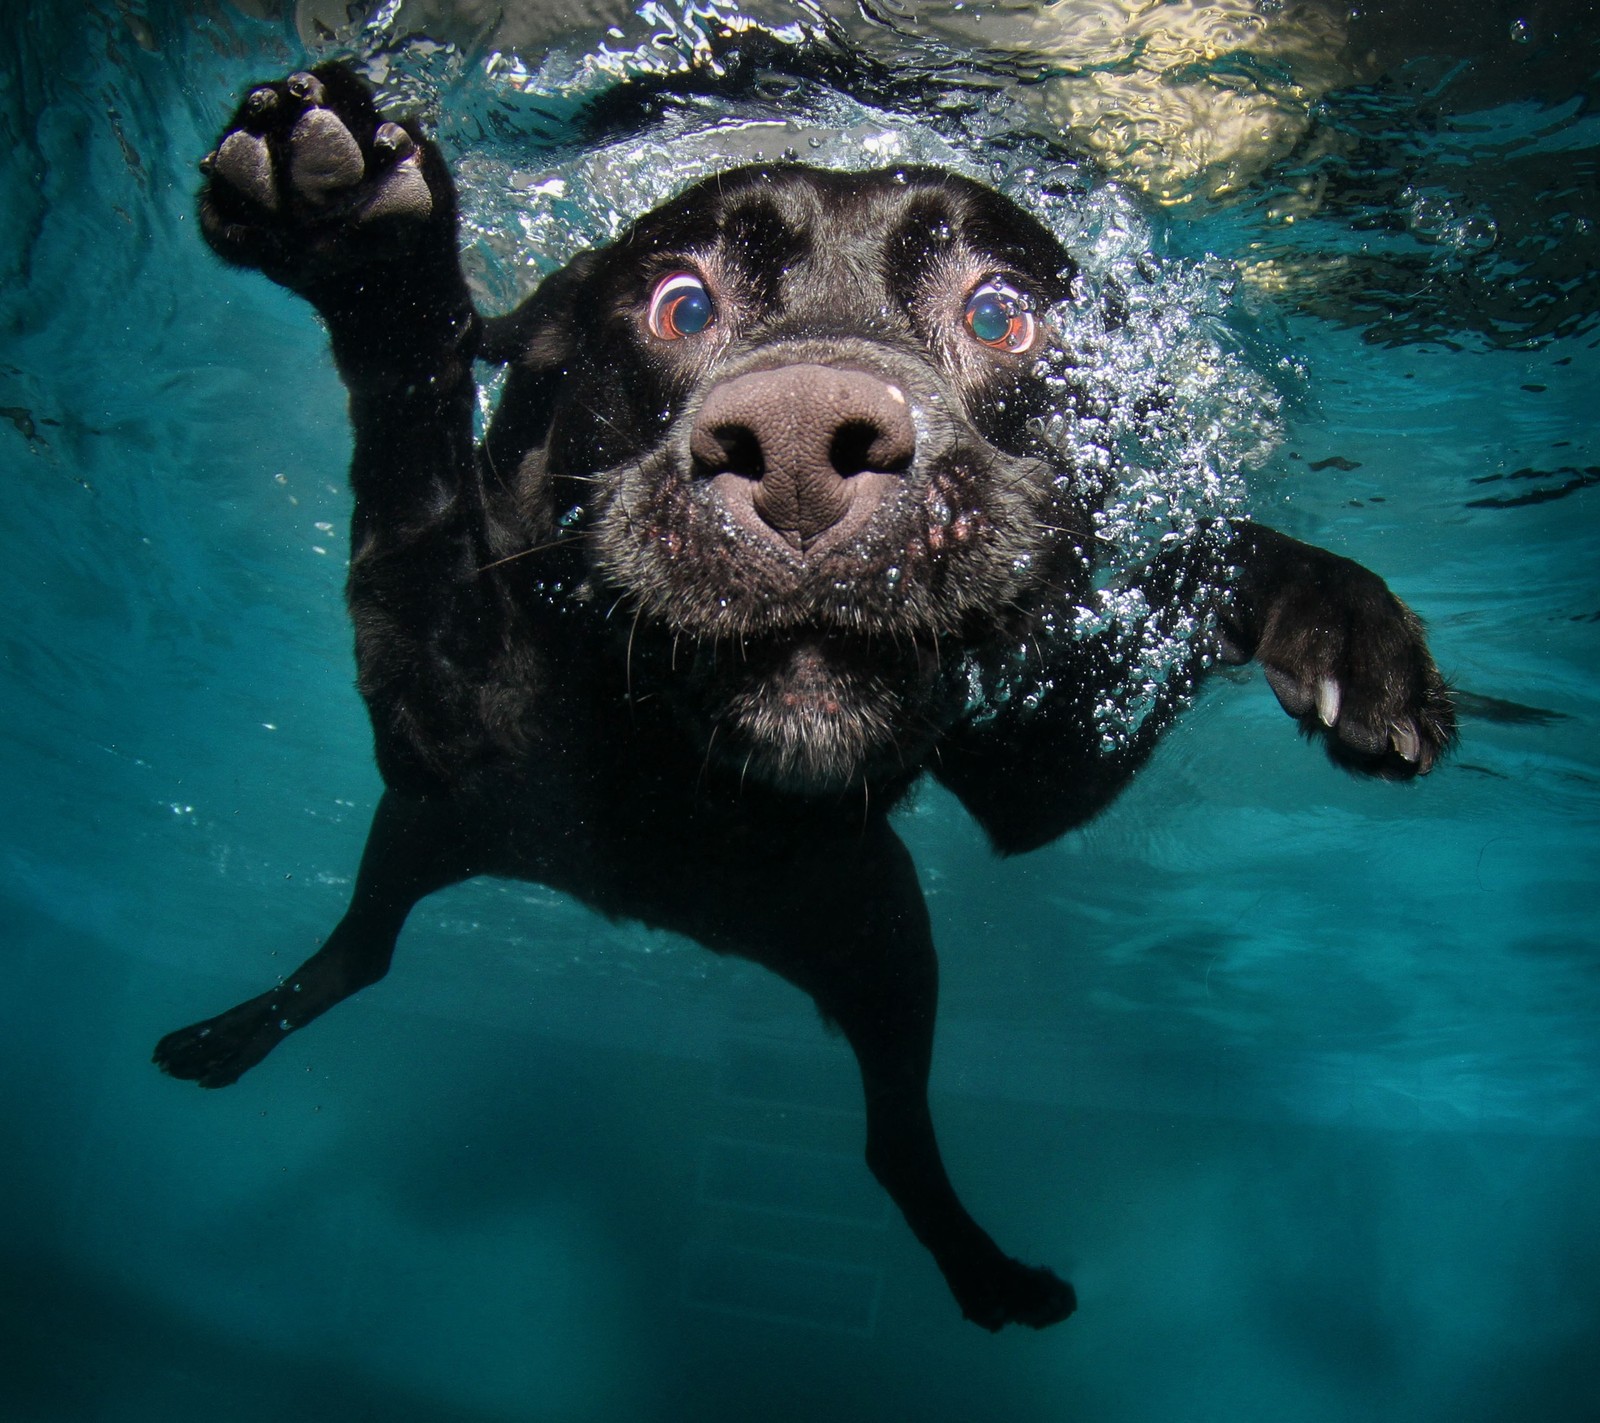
x=998, y=315
x=680, y=306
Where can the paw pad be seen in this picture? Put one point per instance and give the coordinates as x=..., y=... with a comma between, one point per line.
x=324, y=157
x=244, y=162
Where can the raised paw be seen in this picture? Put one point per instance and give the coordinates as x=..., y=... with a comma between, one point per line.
x=310, y=182
x=217, y=1052
x=1344, y=656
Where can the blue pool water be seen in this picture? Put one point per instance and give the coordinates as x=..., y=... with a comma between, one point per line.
x=1296, y=1077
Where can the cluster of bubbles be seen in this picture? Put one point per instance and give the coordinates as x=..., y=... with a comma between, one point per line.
x=1445, y=220
x=1160, y=407
x=522, y=220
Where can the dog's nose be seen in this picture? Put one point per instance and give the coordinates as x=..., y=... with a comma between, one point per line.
x=803, y=434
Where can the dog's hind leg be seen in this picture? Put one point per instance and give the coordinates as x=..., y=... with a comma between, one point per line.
x=412, y=850
x=878, y=979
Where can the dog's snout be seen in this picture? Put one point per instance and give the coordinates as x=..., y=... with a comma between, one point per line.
x=803, y=435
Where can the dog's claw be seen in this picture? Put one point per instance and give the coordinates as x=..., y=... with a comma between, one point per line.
x=1407, y=744
x=305, y=87
x=217, y=1052
x=1344, y=657
x=393, y=142
x=310, y=183
x=1327, y=701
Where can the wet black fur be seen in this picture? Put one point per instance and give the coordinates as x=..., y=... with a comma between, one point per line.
x=580, y=672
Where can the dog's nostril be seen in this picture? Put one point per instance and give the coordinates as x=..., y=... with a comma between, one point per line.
x=859, y=445
x=729, y=449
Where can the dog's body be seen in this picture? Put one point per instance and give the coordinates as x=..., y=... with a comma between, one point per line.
x=760, y=516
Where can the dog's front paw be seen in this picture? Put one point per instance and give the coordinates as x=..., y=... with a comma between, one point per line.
x=1351, y=662
x=309, y=182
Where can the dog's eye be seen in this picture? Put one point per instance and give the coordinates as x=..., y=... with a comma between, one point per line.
x=680, y=306
x=998, y=316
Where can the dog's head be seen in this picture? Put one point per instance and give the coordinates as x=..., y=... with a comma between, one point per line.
x=787, y=427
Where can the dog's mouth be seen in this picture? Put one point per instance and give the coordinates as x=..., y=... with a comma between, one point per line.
x=815, y=711
x=922, y=555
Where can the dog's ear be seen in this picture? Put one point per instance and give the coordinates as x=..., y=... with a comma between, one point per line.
x=536, y=342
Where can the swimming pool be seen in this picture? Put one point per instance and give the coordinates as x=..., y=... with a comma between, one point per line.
x=1293, y=1075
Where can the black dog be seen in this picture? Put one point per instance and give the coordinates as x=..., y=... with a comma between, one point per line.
x=771, y=459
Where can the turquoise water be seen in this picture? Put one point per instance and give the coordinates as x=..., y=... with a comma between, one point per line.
x=1296, y=1077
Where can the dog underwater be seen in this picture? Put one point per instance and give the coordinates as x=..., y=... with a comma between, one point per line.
x=761, y=519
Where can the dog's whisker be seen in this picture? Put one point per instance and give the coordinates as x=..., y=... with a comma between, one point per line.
x=603, y=419
x=537, y=548
x=705, y=765
x=628, y=656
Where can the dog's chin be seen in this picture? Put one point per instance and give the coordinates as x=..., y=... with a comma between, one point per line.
x=811, y=719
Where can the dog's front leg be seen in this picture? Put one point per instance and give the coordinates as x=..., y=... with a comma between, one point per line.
x=312, y=186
